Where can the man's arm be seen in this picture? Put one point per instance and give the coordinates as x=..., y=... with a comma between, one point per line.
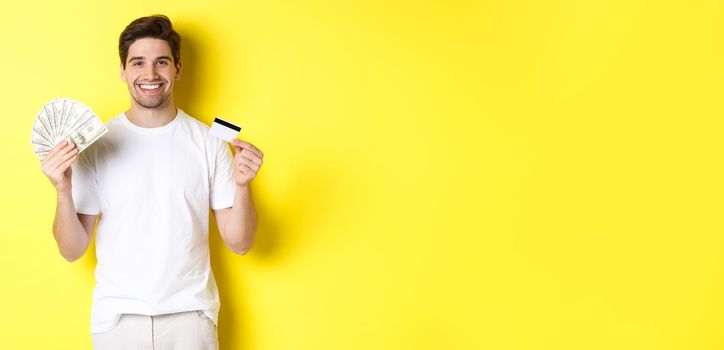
x=72, y=231
x=237, y=225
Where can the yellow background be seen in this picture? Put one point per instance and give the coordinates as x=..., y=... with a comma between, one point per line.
x=438, y=175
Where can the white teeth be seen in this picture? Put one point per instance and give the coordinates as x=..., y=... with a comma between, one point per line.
x=150, y=87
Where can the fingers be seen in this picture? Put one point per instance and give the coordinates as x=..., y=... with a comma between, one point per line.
x=245, y=145
x=68, y=162
x=59, y=154
x=245, y=162
x=68, y=155
x=61, y=163
x=245, y=153
x=58, y=148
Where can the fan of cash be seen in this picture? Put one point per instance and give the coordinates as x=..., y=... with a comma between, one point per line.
x=65, y=119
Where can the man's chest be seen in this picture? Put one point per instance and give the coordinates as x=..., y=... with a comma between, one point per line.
x=142, y=170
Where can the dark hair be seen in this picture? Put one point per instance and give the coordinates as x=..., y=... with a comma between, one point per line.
x=156, y=26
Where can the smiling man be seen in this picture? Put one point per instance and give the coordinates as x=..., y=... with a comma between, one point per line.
x=149, y=184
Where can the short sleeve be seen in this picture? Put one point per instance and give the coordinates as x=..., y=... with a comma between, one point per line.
x=222, y=184
x=84, y=184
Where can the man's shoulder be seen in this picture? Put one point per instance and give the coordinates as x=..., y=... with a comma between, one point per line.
x=116, y=120
x=193, y=123
x=201, y=129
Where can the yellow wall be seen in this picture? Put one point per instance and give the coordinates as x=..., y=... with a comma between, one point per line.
x=438, y=175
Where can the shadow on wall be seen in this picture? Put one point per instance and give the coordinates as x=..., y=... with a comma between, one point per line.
x=282, y=226
x=282, y=233
x=192, y=61
x=201, y=61
x=234, y=311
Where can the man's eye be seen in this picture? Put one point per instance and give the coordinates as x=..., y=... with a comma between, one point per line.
x=163, y=62
x=137, y=63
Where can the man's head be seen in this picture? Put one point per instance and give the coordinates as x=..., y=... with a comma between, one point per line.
x=150, y=53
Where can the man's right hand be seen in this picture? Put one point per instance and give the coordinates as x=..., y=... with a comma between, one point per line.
x=56, y=165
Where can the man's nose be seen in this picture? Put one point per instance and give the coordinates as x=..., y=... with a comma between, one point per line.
x=149, y=72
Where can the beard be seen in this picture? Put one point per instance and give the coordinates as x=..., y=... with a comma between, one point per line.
x=150, y=102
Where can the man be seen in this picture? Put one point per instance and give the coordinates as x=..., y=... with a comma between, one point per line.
x=150, y=182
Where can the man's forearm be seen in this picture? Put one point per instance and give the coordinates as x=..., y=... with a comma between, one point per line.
x=69, y=233
x=241, y=225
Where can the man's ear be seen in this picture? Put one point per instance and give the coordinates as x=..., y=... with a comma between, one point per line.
x=179, y=65
x=123, y=73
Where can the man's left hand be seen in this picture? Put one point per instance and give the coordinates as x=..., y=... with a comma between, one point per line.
x=247, y=161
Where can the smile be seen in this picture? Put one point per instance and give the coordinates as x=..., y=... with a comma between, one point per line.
x=150, y=88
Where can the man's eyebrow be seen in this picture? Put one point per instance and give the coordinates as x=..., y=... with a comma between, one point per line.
x=141, y=58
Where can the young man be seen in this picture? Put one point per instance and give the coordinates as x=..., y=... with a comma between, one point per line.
x=151, y=181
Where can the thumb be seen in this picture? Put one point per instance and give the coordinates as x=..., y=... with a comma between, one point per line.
x=238, y=143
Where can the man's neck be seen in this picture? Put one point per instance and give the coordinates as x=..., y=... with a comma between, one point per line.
x=151, y=117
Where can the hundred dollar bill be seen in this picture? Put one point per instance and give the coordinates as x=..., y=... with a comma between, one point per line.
x=87, y=133
x=65, y=119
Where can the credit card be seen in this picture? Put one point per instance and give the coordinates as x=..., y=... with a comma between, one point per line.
x=224, y=130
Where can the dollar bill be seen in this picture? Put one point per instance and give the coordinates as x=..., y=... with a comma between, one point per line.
x=87, y=133
x=65, y=119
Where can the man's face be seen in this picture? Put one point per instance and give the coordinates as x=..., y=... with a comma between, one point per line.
x=150, y=72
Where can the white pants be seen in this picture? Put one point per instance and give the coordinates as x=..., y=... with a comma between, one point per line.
x=190, y=330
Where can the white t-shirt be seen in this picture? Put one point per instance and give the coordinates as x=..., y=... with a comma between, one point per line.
x=153, y=188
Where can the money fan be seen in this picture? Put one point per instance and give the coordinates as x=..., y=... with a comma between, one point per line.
x=65, y=119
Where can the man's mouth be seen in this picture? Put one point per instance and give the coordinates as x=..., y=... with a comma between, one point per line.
x=150, y=88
